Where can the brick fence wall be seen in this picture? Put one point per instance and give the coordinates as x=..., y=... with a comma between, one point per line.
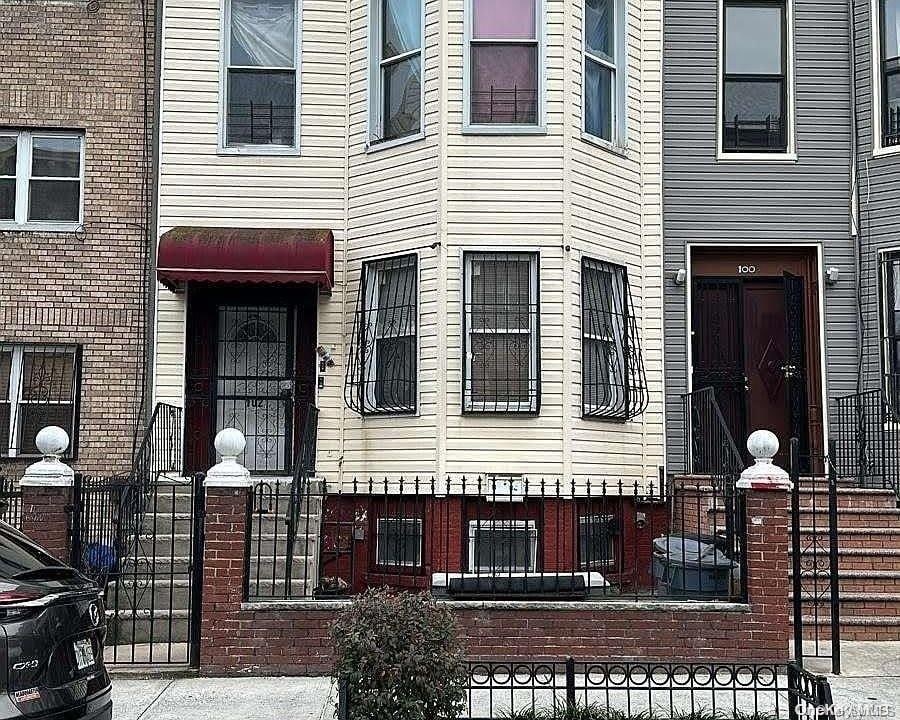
x=293, y=638
x=68, y=65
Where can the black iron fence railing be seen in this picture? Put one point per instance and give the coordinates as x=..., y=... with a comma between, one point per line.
x=497, y=538
x=10, y=502
x=709, y=447
x=612, y=689
x=867, y=438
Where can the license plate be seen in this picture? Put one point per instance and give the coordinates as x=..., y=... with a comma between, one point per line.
x=84, y=654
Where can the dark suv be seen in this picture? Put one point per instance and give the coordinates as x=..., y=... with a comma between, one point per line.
x=51, y=644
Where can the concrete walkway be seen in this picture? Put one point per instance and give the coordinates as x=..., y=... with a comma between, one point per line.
x=870, y=680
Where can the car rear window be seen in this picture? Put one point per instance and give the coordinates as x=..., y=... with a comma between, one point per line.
x=18, y=555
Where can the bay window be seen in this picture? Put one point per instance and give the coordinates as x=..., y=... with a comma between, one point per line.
x=504, y=58
x=501, y=338
x=755, y=76
x=261, y=73
x=396, y=81
x=38, y=387
x=890, y=72
x=604, y=39
x=41, y=179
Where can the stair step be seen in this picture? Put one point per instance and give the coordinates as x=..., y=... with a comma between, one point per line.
x=160, y=626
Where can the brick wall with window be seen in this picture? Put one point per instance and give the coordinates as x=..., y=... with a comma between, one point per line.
x=74, y=189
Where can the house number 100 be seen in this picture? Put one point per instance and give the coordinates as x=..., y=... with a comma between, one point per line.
x=746, y=269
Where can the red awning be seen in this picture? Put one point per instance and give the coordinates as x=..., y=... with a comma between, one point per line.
x=245, y=255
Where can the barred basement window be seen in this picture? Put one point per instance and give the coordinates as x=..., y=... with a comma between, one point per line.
x=502, y=546
x=381, y=372
x=38, y=387
x=613, y=380
x=597, y=541
x=501, y=369
x=398, y=542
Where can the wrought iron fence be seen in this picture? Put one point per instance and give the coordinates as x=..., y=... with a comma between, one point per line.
x=10, y=502
x=709, y=447
x=867, y=434
x=649, y=689
x=497, y=538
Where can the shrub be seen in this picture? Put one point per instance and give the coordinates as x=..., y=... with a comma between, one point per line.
x=400, y=657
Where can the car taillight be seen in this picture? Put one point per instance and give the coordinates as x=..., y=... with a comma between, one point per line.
x=9, y=597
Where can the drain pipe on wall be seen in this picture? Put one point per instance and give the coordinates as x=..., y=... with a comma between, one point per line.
x=855, y=233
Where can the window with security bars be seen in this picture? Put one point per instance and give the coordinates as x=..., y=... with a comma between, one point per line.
x=501, y=369
x=38, y=387
x=889, y=11
x=597, y=541
x=398, y=542
x=890, y=326
x=381, y=373
x=613, y=378
x=503, y=546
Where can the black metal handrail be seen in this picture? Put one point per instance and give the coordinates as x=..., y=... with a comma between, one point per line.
x=709, y=447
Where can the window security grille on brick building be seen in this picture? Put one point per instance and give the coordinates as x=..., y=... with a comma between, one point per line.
x=38, y=387
x=382, y=367
x=501, y=372
x=614, y=382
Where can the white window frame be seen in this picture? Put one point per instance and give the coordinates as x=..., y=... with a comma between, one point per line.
x=540, y=32
x=534, y=379
x=790, y=152
x=225, y=39
x=370, y=363
x=598, y=519
x=375, y=89
x=417, y=524
x=24, y=148
x=878, y=147
x=475, y=528
x=15, y=400
x=619, y=121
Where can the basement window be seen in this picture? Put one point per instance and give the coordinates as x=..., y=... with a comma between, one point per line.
x=597, y=541
x=398, y=542
x=38, y=387
x=502, y=546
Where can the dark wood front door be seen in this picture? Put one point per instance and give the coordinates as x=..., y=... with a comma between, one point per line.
x=750, y=340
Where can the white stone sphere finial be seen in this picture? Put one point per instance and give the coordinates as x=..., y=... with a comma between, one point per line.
x=52, y=441
x=228, y=472
x=764, y=474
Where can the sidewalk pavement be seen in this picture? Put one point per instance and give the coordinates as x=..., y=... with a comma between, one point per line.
x=871, y=676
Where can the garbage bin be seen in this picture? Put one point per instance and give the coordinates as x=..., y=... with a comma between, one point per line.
x=686, y=565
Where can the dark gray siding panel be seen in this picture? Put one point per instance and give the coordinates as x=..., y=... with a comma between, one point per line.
x=728, y=202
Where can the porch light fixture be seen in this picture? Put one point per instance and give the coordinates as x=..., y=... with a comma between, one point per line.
x=680, y=276
x=832, y=275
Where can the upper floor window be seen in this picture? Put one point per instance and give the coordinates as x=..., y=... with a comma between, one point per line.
x=755, y=76
x=604, y=85
x=501, y=353
x=261, y=72
x=396, y=82
x=41, y=178
x=504, y=57
x=381, y=374
x=38, y=387
x=613, y=380
x=890, y=72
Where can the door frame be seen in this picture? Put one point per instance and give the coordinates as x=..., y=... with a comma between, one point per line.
x=819, y=301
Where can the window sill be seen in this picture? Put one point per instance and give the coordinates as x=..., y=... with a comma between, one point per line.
x=67, y=227
x=599, y=142
x=397, y=142
x=259, y=151
x=886, y=151
x=504, y=130
x=785, y=157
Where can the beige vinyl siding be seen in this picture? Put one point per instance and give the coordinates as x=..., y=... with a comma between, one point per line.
x=554, y=194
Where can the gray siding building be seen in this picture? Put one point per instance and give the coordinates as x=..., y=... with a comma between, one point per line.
x=774, y=237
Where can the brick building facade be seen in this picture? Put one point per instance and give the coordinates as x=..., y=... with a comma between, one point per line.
x=76, y=76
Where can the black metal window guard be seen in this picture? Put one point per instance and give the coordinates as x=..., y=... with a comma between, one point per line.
x=501, y=332
x=497, y=538
x=505, y=106
x=613, y=379
x=890, y=78
x=626, y=689
x=39, y=386
x=382, y=365
x=260, y=123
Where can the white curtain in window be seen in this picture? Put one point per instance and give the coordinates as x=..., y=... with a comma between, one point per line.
x=262, y=33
